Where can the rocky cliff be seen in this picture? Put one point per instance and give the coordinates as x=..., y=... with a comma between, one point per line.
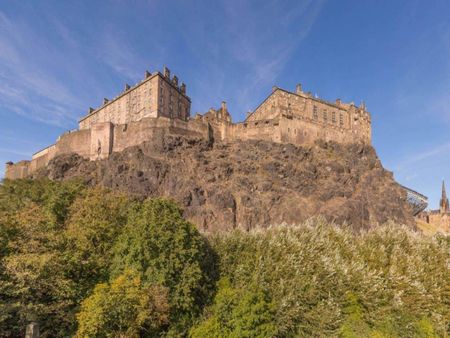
x=250, y=184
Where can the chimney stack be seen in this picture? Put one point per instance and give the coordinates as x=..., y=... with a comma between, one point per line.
x=105, y=100
x=147, y=74
x=363, y=105
x=91, y=110
x=298, y=89
x=183, y=88
x=338, y=102
x=274, y=88
x=175, y=80
x=127, y=86
x=166, y=72
x=9, y=163
x=224, y=106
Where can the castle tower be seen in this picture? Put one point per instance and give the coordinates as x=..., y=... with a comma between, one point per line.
x=443, y=203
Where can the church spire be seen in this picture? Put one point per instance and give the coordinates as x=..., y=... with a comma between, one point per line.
x=443, y=204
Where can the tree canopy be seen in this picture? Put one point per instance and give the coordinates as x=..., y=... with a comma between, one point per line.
x=91, y=262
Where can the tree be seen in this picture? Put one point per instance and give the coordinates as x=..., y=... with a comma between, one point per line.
x=168, y=251
x=124, y=308
x=238, y=313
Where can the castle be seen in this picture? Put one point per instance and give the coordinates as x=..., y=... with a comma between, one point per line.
x=440, y=217
x=159, y=103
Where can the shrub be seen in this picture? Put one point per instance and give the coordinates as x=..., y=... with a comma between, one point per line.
x=124, y=308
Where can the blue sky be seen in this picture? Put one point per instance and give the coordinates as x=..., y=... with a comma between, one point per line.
x=57, y=58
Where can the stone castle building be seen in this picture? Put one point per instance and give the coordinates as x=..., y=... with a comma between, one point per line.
x=441, y=216
x=159, y=104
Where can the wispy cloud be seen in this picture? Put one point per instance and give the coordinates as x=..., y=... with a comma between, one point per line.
x=248, y=45
x=439, y=151
x=27, y=88
x=117, y=54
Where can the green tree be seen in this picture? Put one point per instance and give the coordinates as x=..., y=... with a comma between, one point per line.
x=94, y=222
x=124, y=308
x=238, y=313
x=33, y=275
x=169, y=251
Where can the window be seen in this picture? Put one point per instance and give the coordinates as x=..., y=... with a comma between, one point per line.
x=325, y=116
x=333, y=117
x=341, y=120
x=315, y=114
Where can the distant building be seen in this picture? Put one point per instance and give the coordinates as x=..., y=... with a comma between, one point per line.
x=441, y=217
x=159, y=104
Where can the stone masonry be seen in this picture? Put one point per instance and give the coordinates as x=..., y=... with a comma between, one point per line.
x=158, y=104
x=439, y=217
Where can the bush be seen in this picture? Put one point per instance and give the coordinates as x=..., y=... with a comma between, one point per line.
x=326, y=280
x=238, y=313
x=124, y=308
x=168, y=251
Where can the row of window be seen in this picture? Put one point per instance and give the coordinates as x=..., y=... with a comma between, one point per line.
x=325, y=116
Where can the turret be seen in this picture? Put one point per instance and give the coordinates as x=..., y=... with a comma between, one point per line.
x=298, y=89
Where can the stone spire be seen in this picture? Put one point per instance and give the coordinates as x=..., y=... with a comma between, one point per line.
x=443, y=204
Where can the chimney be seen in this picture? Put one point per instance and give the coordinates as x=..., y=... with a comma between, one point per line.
x=298, y=89
x=105, y=101
x=338, y=102
x=9, y=163
x=224, y=106
x=127, y=86
x=166, y=72
x=147, y=74
x=175, y=81
x=249, y=113
x=363, y=105
x=274, y=88
x=91, y=110
x=183, y=88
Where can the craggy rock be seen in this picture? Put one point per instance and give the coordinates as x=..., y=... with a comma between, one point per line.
x=250, y=184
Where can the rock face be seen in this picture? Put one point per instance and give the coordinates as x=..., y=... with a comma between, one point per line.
x=250, y=184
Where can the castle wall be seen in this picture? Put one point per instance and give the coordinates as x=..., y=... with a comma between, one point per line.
x=101, y=140
x=441, y=220
x=138, y=132
x=17, y=170
x=267, y=130
x=75, y=142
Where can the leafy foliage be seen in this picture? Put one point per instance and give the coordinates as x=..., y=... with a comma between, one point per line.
x=124, y=308
x=167, y=250
x=238, y=313
x=328, y=281
x=98, y=263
